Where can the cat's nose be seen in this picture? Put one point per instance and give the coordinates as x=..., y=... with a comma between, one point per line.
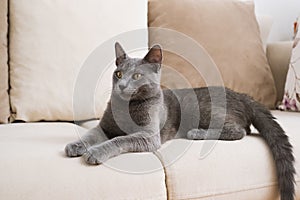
x=122, y=87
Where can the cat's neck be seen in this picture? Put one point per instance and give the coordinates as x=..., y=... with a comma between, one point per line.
x=154, y=99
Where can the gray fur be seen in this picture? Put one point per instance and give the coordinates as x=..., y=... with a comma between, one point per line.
x=140, y=117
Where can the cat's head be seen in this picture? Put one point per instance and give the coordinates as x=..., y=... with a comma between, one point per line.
x=137, y=78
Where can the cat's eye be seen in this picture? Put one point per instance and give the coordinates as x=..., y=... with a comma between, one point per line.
x=136, y=76
x=118, y=74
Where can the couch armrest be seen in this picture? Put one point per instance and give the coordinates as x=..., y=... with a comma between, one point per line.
x=279, y=54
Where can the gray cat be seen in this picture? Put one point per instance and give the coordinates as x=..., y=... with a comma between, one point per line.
x=140, y=116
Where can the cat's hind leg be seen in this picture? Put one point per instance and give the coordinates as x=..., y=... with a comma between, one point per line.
x=230, y=131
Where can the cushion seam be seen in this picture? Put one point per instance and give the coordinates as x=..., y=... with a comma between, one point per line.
x=157, y=154
x=194, y=196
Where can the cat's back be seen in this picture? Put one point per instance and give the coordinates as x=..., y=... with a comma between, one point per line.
x=191, y=100
x=220, y=96
x=194, y=95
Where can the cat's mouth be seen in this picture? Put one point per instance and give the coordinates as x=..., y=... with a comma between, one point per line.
x=126, y=95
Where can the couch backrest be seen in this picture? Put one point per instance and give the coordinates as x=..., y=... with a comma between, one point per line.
x=279, y=54
x=4, y=99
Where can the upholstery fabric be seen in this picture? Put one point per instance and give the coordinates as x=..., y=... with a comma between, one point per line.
x=231, y=170
x=240, y=170
x=89, y=124
x=279, y=55
x=34, y=167
x=4, y=99
x=228, y=31
x=49, y=44
x=291, y=98
x=265, y=23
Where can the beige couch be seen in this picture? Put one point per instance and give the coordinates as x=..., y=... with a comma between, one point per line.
x=33, y=164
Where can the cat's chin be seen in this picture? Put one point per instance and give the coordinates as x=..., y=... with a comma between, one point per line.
x=125, y=97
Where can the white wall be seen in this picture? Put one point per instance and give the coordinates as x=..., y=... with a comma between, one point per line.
x=284, y=13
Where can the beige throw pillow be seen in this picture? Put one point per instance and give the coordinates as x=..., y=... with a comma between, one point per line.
x=4, y=100
x=49, y=43
x=228, y=31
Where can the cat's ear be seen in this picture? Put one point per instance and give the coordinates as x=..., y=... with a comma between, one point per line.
x=120, y=54
x=154, y=55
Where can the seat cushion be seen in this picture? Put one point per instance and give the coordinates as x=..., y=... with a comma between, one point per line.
x=33, y=166
x=223, y=170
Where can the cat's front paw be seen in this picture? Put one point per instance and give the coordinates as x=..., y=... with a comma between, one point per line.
x=94, y=156
x=75, y=149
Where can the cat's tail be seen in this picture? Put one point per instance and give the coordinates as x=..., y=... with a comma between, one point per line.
x=280, y=147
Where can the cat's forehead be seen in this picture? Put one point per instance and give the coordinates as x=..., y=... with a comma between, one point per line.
x=131, y=63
